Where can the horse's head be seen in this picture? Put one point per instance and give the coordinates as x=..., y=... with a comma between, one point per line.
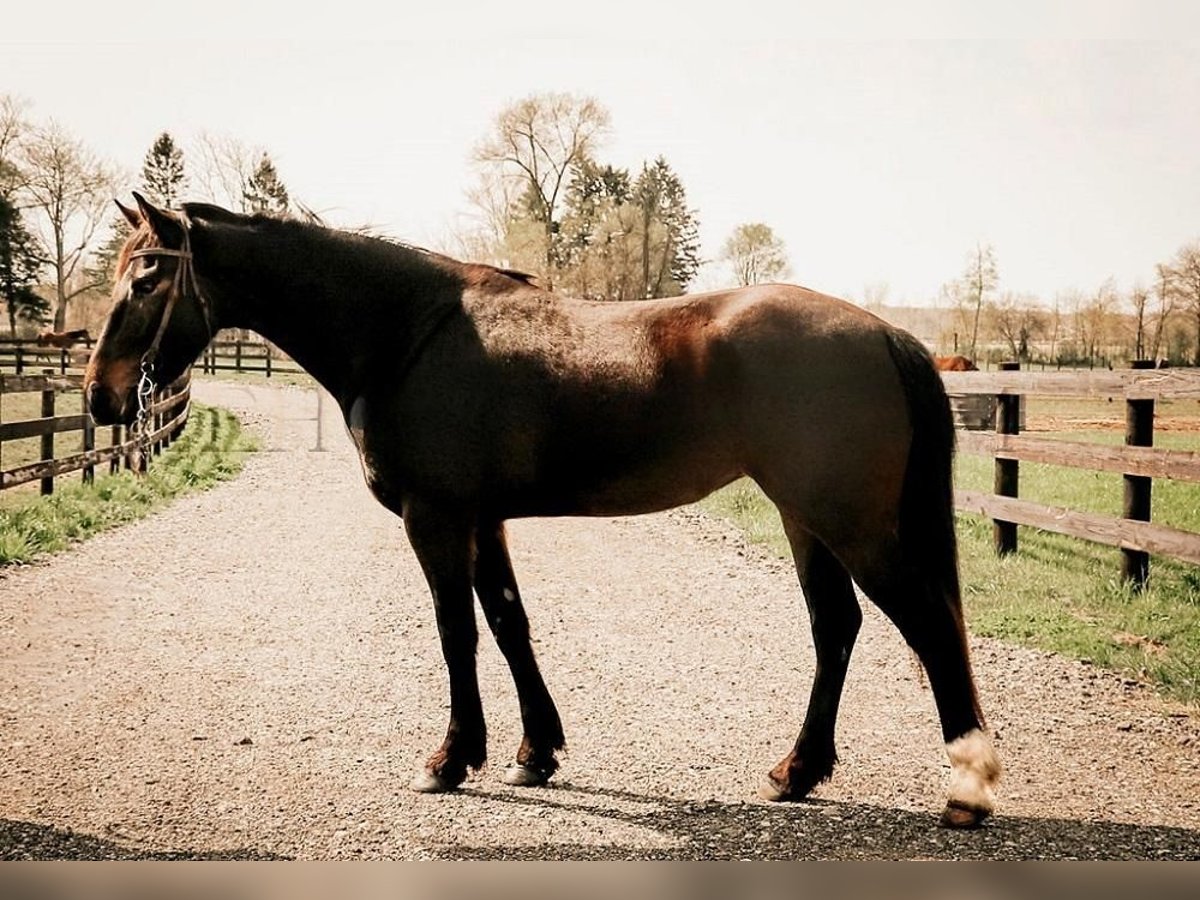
x=159, y=322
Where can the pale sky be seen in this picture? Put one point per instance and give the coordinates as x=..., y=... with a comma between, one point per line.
x=875, y=157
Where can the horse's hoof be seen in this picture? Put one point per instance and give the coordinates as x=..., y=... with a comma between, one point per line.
x=525, y=776
x=959, y=815
x=430, y=783
x=773, y=791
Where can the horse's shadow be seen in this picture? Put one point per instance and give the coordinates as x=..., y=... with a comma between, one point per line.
x=31, y=841
x=822, y=829
x=711, y=830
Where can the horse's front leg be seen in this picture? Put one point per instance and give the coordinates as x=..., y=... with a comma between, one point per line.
x=444, y=545
x=501, y=602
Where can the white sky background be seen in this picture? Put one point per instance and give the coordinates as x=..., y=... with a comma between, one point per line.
x=876, y=157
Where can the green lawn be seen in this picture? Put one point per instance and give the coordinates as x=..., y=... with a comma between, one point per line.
x=211, y=449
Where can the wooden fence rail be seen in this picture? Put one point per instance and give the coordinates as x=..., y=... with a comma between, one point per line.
x=1138, y=462
x=246, y=357
x=26, y=356
x=169, y=412
x=222, y=355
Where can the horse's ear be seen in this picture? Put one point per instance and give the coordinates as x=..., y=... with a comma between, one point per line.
x=131, y=215
x=163, y=223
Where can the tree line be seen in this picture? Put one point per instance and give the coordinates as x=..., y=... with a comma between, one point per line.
x=58, y=235
x=546, y=203
x=1158, y=321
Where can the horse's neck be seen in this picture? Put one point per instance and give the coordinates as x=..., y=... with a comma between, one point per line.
x=306, y=293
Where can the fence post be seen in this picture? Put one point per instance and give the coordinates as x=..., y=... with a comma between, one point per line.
x=20, y=363
x=114, y=464
x=1007, y=479
x=89, y=439
x=268, y=349
x=1139, y=432
x=48, y=438
x=237, y=355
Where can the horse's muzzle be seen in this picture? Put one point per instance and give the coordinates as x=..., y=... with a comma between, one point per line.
x=105, y=407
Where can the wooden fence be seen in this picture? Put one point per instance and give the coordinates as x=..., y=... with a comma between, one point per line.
x=22, y=356
x=1138, y=462
x=168, y=414
x=246, y=356
x=222, y=355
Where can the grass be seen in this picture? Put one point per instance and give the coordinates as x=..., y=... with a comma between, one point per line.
x=1057, y=593
x=211, y=449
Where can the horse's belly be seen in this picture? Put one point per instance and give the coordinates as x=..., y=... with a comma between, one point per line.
x=650, y=484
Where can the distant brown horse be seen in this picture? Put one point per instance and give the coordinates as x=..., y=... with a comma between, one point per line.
x=63, y=339
x=954, y=364
x=474, y=397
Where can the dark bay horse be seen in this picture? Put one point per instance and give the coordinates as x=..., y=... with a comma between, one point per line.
x=500, y=400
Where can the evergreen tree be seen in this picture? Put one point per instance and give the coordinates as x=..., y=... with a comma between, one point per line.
x=669, y=266
x=20, y=266
x=265, y=191
x=163, y=178
x=592, y=196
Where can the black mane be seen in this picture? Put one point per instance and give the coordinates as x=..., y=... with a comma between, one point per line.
x=312, y=221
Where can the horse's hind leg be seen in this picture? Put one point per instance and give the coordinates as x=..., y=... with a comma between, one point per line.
x=835, y=617
x=931, y=622
x=501, y=602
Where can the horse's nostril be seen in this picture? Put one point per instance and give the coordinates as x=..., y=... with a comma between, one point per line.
x=98, y=403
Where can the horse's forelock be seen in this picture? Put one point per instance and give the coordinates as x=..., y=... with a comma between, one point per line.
x=136, y=241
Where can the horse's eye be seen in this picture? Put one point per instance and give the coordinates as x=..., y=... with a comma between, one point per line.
x=144, y=286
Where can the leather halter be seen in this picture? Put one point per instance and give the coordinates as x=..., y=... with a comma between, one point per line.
x=182, y=284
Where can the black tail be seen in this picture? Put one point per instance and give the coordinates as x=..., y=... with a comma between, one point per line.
x=927, y=505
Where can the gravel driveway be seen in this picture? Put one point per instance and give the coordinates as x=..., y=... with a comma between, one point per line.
x=254, y=673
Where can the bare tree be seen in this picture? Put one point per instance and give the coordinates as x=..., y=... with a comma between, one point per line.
x=1017, y=320
x=1185, y=270
x=12, y=126
x=1167, y=293
x=755, y=254
x=68, y=188
x=875, y=295
x=1054, y=326
x=1094, y=320
x=978, y=280
x=225, y=168
x=536, y=144
x=1139, y=300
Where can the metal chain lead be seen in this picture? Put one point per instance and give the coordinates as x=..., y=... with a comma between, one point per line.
x=145, y=396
